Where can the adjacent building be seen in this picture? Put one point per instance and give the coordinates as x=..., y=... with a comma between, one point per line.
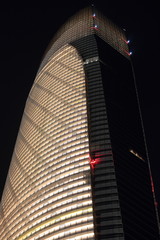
x=80, y=168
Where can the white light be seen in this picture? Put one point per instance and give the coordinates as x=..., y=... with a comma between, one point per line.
x=96, y=26
x=130, y=53
x=128, y=41
x=94, y=14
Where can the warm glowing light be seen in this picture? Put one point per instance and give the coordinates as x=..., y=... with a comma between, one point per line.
x=49, y=170
x=136, y=154
x=53, y=220
x=51, y=149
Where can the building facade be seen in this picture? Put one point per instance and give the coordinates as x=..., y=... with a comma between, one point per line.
x=80, y=168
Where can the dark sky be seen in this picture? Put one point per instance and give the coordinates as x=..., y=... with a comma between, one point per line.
x=24, y=35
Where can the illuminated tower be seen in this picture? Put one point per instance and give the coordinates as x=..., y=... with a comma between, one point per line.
x=80, y=168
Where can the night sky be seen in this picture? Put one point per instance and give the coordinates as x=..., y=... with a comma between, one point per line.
x=24, y=36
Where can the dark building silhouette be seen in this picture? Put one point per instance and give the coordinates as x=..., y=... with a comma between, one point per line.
x=80, y=168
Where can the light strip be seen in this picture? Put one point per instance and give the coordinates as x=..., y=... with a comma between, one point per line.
x=136, y=154
x=52, y=221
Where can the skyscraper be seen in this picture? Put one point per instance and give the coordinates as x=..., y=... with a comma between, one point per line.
x=80, y=168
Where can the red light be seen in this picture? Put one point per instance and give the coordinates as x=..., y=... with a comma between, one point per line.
x=126, y=41
x=156, y=204
x=94, y=28
x=152, y=184
x=93, y=161
x=128, y=53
